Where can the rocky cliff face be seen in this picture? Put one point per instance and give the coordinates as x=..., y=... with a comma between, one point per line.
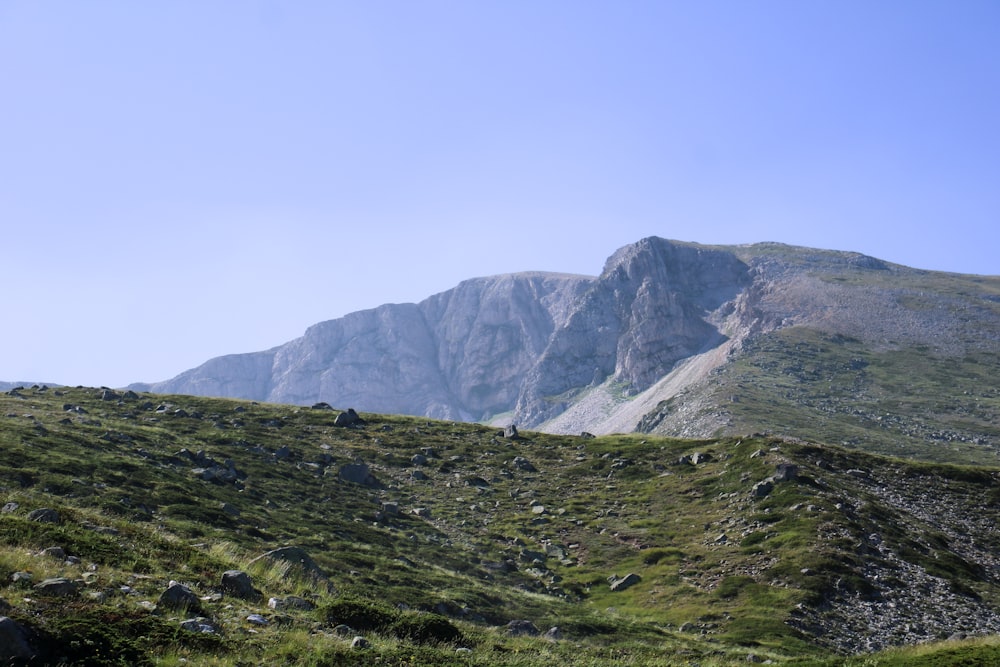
x=645, y=342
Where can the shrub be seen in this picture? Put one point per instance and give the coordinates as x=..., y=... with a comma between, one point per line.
x=426, y=628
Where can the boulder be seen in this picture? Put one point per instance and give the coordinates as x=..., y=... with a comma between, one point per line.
x=53, y=552
x=522, y=628
x=621, y=584
x=290, y=602
x=786, y=472
x=511, y=432
x=524, y=464
x=178, y=596
x=762, y=489
x=348, y=419
x=44, y=515
x=14, y=645
x=357, y=473
x=58, y=586
x=360, y=643
x=296, y=555
x=238, y=584
x=199, y=624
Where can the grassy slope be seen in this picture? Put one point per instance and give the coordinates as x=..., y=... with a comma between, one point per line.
x=722, y=572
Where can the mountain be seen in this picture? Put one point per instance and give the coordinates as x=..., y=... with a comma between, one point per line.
x=671, y=338
x=141, y=529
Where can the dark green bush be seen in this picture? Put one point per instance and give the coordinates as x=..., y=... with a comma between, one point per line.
x=426, y=628
x=359, y=614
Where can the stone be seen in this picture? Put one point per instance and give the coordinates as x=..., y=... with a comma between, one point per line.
x=57, y=586
x=44, y=515
x=14, y=644
x=524, y=464
x=296, y=555
x=290, y=602
x=9, y=507
x=522, y=628
x=238, y=584
x=786, y=472
x=348, y=419
x=257, y=619
x=53, y=552
x=357, y=473
x=762, y=489
x=178, y=596
x=343, y=630
x=322, y=405
x=553, y=633
x=418, y=475
x=360, y=643
x=510, y=432
x=621, y=584
x=700, y=457
x=199, y=624
x=418, y=460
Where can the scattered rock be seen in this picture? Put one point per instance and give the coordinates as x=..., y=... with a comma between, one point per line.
x=348, y=419
x=9, y=507
x=628, y=580
x=257, y=619
x=553, y=633
x=178, y=596
x=762, y=489
x=44, y=515
x=58, y=586
x=199, y=624
x=360, y=643
x=290, y=602
x=14, y=645
x=786, y=472
x=343, y=630
x=522, y=628
x=295, y=555
x=357, y=473
x=322, y=405
x=510, y=432
x=238, y=584
x=418, y=460
x=524, y=464
x=53, y=552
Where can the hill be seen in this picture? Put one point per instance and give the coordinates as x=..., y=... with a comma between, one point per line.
x=671, y=338
x=287, y=535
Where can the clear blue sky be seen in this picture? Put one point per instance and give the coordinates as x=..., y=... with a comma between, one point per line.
x=180, y=180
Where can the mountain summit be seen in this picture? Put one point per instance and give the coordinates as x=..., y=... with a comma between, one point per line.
x=673, y=338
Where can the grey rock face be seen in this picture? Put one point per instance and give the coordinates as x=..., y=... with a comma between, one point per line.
x=544, y=350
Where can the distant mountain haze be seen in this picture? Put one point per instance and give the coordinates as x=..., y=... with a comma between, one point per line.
x=667, y=339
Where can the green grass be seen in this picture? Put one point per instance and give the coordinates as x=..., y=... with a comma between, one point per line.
x=420, y=587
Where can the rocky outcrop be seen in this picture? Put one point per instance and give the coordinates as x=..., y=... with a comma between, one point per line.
x=568, y=353
x=495, y=344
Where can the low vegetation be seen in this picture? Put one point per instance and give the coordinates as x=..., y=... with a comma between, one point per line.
x=429, y=542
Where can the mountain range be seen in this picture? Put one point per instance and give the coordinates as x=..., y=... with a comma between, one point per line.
x=671, y=338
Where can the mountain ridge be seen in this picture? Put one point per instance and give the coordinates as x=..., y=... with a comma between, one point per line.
x=607, y=353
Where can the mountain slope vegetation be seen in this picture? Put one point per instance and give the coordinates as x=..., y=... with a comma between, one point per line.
x=402, y=540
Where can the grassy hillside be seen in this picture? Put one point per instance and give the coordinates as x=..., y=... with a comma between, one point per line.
x=748, y=548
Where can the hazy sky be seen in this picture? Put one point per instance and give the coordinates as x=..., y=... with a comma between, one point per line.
x=180, y=180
